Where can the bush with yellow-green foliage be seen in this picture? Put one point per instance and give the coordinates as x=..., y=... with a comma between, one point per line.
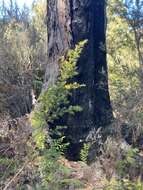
x=18, y=48
x=123, y=184
x=53, y=105
x=124, y=70
x=84, y=152
x=23, y=51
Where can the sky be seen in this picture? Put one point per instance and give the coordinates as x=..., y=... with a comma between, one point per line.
x=20, y=2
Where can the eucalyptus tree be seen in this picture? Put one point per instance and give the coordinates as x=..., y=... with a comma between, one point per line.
x=69, y=22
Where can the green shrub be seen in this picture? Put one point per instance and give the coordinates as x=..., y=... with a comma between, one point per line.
x=128, y=161
x=84, y=152
x=124, y=185
x=53, y=105
x=7, y=167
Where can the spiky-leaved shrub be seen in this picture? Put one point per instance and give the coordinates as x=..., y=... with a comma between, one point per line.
x=53, y=105
x=84, y=152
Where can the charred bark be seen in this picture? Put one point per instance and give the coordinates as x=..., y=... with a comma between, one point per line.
x=71, y=21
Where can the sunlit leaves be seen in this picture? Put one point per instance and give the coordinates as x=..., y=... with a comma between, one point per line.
x=54, y=102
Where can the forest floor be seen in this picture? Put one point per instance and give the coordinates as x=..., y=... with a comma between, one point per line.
x=14, y=135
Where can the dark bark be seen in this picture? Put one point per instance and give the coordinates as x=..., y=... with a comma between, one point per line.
x=71, y=21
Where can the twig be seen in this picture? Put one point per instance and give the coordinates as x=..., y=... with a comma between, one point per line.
x=16, y=175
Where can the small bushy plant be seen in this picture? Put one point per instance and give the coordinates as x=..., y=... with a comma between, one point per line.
x=53, y=105
x=124, y=184
x=84, y=152
x=129, y=160
x=8, y=166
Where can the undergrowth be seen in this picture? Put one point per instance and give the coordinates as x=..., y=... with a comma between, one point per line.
x=53, y=105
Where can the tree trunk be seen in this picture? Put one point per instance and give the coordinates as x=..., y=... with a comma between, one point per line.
x=71, y=21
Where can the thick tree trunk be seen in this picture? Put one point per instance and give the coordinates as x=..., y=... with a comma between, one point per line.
x=70, y=21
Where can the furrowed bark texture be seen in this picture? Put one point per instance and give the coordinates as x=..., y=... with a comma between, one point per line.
x=71, y=21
